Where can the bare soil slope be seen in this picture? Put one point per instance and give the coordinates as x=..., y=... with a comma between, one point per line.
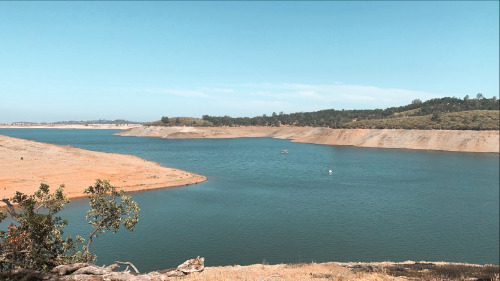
x=447, y=140
x=24, y=164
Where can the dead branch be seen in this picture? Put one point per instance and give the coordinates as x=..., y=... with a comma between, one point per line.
x=112, y=267
x=192, y=265
x=10, y=209
x=65, y=269
x=91, y=270
x=130, y=264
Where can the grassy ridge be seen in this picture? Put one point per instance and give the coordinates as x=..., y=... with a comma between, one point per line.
x=444, y=113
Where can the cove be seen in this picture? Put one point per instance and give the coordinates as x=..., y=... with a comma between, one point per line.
x=259, y=204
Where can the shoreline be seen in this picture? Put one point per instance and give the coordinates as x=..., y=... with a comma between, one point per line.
x=441, y=140
x=194, y=269
x=407, y=270
x=24, y=164
x=70, y=126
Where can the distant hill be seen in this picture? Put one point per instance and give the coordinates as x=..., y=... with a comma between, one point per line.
x=88, y=122
x=180, y=121
x=443, y=113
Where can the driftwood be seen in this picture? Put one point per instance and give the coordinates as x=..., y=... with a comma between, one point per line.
x=68, y=268
x=128, y=264
x=90, y=272
x=192, y=265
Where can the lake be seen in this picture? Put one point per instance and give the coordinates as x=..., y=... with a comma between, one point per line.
x=259, y=205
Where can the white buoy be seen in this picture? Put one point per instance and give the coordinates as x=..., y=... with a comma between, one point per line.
x=330, y=171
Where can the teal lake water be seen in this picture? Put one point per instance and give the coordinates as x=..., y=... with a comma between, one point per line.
x=259, y=204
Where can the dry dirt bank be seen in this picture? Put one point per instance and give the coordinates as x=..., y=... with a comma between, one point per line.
x=24, y=164
x=447, y=140
x=381, y=271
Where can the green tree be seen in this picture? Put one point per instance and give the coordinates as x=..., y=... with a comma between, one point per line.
x=106, y=213
x=436, y=116
x=165, y=120
x=416, y=102
x=35, y=241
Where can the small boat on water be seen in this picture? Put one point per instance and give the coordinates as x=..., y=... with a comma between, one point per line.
x=284, y=151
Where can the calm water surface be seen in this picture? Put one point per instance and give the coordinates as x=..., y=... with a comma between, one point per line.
x=259, y=204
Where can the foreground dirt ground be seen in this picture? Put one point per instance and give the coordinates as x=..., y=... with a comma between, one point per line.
x=24, y=164
x=350, y=271
x=446, y=140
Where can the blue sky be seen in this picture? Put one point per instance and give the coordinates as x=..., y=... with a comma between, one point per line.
x=143, y=60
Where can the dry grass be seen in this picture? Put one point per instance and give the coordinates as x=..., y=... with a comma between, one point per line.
x=282, y=272
x=384, y=271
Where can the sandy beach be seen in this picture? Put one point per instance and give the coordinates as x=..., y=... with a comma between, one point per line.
x=24, y=164
x=445, y=140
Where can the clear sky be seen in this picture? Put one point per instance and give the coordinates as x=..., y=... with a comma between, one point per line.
x=139, y=60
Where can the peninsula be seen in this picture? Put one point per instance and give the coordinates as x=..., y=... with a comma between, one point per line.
x=24, y=164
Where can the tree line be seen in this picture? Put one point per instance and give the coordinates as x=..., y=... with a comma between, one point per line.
x=345, y=118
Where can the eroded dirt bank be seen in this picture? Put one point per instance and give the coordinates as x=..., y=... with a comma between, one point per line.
x=446, y=140
x=24, y=164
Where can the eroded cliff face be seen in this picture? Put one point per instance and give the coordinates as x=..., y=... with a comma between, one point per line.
x=446, y=140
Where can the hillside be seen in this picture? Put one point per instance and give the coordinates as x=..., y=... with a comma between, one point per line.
x=443, y=114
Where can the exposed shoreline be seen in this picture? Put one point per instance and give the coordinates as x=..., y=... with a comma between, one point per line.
x=24, y=164
x=71, y=126
x=407, y=270
x=194, y=270
x=444, y=140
